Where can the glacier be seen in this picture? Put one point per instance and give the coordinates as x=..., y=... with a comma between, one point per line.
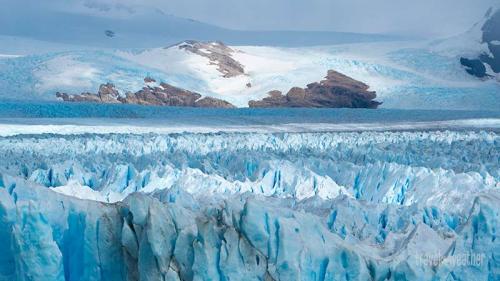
x=386, y=204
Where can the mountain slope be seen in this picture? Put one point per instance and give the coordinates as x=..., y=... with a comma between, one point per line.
x=92, y=26
x=251, y=206
x=403, y=74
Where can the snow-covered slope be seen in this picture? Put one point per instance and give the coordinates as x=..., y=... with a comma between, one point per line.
x=250, y=206
x=404, y=74
x=478, y=44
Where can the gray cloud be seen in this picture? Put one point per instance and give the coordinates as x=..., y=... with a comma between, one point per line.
x=428, y=18
x=416, y=17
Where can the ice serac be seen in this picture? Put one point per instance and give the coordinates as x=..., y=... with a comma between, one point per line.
x=337, y=90
x=250, y=206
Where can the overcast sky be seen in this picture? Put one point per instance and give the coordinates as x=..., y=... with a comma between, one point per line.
x=424, y=18
x=420, y=17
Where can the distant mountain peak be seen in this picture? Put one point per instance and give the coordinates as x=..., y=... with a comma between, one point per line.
x=477, y=49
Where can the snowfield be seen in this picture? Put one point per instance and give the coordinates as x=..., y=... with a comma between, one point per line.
x=250, y=205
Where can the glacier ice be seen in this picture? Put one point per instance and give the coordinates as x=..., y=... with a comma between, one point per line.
x=414, y=205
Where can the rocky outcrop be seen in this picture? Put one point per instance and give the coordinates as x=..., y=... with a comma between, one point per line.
x=474, y=67
x=218, y=54
x=162, y=95
x=491, y=37
x=337, y=90
x=106, y=94
x=165, y=94
x=213, y=102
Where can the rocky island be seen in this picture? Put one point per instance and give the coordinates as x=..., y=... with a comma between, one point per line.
x=163, y=95
x=336, y=91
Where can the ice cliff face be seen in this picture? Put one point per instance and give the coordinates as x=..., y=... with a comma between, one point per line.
x=250, y=206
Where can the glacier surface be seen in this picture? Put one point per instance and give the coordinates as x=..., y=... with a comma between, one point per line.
x=260, y=205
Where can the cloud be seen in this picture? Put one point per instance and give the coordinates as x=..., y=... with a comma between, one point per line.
x=408, y=17
x=428, y=18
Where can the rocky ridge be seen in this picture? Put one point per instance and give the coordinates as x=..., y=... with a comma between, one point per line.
x=336, y=91
x=316, y=206
x=218, y=54
x=163, y=95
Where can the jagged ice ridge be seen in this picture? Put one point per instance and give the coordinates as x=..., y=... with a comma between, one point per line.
x=250, y=206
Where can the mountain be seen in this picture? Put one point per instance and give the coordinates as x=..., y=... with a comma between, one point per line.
x=404, y=74
x=479, y=48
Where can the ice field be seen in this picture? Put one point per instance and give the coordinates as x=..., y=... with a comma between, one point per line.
x=386, y=197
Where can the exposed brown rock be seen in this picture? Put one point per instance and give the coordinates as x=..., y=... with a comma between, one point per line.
x=218, y=54
x=337, y=90
x=108, y=94
x=213, y=102
x=164, y=95
x=149, y=80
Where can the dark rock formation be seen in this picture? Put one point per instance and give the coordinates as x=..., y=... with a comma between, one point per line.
x=336, y=91
x=164, y=95
x=213, y=102
x=474, y=67
x=218, y=54
x=491, y=36
x=106, y=94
